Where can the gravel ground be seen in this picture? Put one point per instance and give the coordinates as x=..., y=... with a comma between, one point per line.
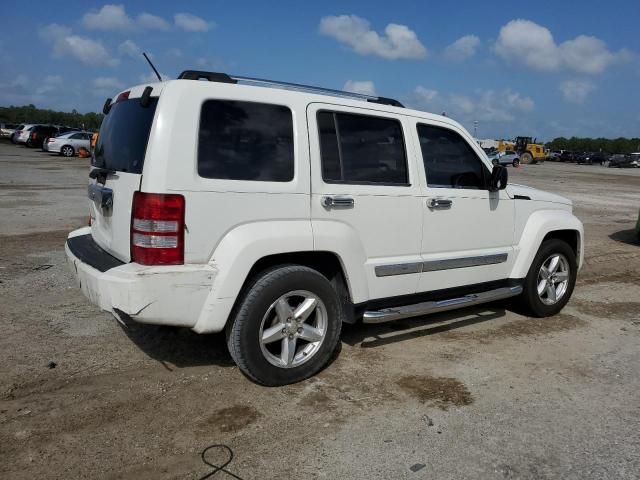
x=477, y=393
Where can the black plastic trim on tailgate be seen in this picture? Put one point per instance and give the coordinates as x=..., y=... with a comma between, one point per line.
x=89, y=252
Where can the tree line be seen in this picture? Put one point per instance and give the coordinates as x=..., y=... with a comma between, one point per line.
x=31, y=114
x=607, y=145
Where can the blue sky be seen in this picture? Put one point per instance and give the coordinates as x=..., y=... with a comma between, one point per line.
x=545, y=69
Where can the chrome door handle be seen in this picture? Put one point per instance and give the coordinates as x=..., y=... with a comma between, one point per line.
x=337, y=201
x=439, y=203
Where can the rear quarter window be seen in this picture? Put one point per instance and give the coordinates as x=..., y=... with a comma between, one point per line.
x=245, y=141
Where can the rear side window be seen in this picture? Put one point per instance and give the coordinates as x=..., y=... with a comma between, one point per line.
x=361, y=149
x=245, y=141
x=449, y=161
x=124, y=134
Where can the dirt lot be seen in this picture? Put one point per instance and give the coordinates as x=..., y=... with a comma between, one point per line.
x=478, y=393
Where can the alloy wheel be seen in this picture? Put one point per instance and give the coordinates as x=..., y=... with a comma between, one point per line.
x=553, y=279
x=293, y=329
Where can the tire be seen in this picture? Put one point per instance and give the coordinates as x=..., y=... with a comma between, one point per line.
x=542, y=305
x=516, y=163
x=526, y=158
x=67, y=151
x=265, y=304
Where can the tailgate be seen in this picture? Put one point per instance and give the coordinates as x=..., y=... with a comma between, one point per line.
x=117, y=162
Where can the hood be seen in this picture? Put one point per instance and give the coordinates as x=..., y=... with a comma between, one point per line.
x=514, y=189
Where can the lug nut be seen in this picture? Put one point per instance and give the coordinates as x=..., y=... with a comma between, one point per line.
x=299, y=329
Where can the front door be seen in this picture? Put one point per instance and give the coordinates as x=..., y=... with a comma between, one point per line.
x=364, y=197
x=467, y=230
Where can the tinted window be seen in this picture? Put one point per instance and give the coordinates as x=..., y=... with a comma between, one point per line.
x=361, y=149
x=76, y=136
x=124, y=134
x=449, y=161
x=245, y=141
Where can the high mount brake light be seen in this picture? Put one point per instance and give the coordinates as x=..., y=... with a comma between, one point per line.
x=157, y=229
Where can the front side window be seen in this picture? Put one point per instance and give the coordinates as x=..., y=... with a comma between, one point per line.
x=245, y=141
x=449, y=161
x=361, y=149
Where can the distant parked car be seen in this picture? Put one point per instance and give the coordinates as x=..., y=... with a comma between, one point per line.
x=21, y=134
x=597, y=157
x=620, y=160
x=68, y=143
x=7, y=129
x=508, y=157
x=554, y=155
x=38, y=133
x=567, y=156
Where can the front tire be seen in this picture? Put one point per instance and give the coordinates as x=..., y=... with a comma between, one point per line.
x=286, y=325
x=551, y=279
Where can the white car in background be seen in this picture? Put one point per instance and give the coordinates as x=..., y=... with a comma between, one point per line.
x=21, y=136
x=68, y=143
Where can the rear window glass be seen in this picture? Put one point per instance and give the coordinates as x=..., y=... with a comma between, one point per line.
x=245, y=141
x=124, y=134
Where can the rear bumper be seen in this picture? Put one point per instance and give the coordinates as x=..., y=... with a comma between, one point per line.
x=161, y=295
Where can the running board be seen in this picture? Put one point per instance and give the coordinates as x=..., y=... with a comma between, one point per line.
x=397, y=313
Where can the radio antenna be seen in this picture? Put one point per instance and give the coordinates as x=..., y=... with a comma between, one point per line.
x=151, y=65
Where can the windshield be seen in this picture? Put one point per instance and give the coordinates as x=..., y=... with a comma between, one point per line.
x=123, y=137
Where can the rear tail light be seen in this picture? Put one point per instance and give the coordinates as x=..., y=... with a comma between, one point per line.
x=157, y=229
x=33, y=136
x=51, y=140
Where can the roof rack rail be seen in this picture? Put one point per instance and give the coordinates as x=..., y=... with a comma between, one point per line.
x=224, y=78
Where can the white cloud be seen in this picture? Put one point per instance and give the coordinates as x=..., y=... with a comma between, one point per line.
x=484, y=105
x=191, y=23
x=398, y=41
x=365, y=87
x=130, y=49
x=526, y=42
x=107, y=84
x=50, y=84
x=109, y=17
x=86, y=50
x=152, y=22
x=114, y=17
x=425, y=95
x=576, y=91
x=174, y=53
x=462, y=49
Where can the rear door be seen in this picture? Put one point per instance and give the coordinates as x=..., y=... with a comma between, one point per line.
x=364, y=202
x=120, y=154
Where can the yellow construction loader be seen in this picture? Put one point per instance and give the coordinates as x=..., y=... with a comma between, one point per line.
x=529, y=151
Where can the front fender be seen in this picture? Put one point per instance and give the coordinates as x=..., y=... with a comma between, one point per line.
x=539, y=224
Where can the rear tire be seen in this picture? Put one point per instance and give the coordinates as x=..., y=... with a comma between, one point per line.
x=272, y=339
x=547, y=290
x=67, y=151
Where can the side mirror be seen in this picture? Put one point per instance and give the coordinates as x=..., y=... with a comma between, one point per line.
x=499, y=177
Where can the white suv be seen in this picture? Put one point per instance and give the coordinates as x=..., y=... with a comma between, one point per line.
x=278, y=212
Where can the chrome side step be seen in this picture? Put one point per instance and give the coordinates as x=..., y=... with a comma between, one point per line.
x=424, y=308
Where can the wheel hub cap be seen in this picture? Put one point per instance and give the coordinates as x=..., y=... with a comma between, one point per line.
x=553, y=279
x=293, y=329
